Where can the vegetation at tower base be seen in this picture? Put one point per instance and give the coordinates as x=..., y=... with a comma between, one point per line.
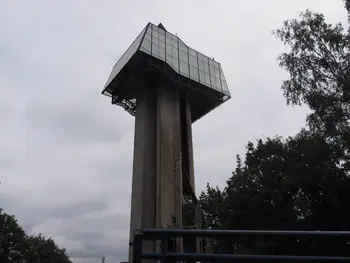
x=17, y=247
x=300, y=182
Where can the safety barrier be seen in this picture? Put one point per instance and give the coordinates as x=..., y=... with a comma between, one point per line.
x=165, y=236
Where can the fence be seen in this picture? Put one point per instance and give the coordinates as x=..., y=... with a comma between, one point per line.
x=165, y=236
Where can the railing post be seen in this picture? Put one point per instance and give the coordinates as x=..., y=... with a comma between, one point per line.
x=164, y=247
x=137, y=249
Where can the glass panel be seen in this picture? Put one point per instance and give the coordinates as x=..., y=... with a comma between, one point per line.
x=222, y=74
x=212, y=72
x=218, y=84
x=154, y=27
x=206, y=67
x=161, y=43
x=162, y=56
x=217, y=73
x=169, y=50
x=169, y=58
x=155, y=50
x=224, y=83
x=213, y=82
x=183, y=56
x=201, y=65
x=155, y=34
x=145, y=50
x=125, y=57
x=182, y=46
x=146, y=44
x=175, y=53
x=193, y=61
x=148, y=36
x=207, y=79
x=216, y=65
x=211, y=62
x=107, y=92
x=192, y=52
x=193, y=64
x=162, y=35
x=174, y=43
x=184, y=68
x=224, y=87
x=162, y=53
x=202, y=77
x=194, y=73
x=200, y=57
x=155, y=40
x=176, y=64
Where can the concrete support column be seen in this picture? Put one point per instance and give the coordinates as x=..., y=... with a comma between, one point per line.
x=143, y=206
x=163, y=163
x=169, y=161
x=189, y=140
x=169, y=192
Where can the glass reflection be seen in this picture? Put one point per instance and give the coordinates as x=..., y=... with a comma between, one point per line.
x=183, y=59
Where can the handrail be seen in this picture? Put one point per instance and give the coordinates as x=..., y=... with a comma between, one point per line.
x=166, y=255
x=241, y=258
x=173, y=232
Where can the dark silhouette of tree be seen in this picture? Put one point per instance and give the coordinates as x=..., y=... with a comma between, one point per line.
x=18, y=247
x=301, y=182
x=319, y=68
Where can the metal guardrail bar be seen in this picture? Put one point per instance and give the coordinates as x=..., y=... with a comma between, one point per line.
x=167, y=255
x=220, y=233
x=241, y=258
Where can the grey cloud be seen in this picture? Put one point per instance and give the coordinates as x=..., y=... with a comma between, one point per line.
x=4, y=162
x=99, y=233
x=98, y=250
x=66, y=152
x=26, y=210
x=72, y=123
x=93, y=228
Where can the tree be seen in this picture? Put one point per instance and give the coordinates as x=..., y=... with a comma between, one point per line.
x=289, y=184
x=17, y=247
x=319, y=67
x=12, y=239
x=347, y=6
x=300, y=182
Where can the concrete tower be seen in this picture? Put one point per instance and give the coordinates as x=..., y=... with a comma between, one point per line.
x=167, y=86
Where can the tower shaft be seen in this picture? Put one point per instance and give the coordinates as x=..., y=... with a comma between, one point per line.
x=163, y=161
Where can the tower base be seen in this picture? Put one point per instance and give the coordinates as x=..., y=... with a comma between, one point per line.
x=163, y=173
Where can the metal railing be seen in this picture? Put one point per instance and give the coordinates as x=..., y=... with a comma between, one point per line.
x=164, y=237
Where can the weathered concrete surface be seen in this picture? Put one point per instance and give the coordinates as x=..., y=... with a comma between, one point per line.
x=189, y=140
x=168, y=151
x=169, y=174
x=163, y=158
x=143, y=210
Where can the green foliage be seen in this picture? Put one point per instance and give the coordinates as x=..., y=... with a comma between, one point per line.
x=12, y=239
x=17, y=247
x=319, y=68
x=347, y=6
x=286, y=184
x=301, y=182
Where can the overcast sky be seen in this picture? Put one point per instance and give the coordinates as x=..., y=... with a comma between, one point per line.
x=66, y=152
